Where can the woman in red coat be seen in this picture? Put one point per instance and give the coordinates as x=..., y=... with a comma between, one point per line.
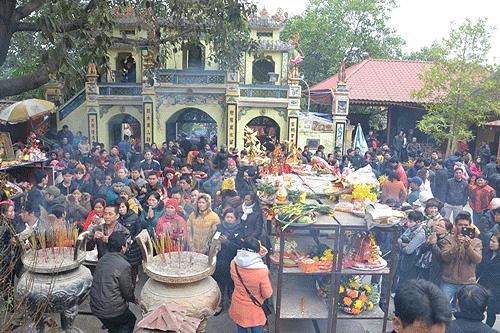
x=254, y=274
x=173, y=224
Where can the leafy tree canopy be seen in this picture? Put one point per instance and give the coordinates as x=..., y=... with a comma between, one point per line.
x=460, y=89
x=44, y=39
x=332, y=31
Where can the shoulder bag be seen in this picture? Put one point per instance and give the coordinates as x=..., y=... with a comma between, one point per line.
x=264, y=306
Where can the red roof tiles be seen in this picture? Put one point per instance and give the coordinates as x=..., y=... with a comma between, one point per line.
x=376, y=81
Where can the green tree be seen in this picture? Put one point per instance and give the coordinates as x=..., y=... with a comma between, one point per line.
x=332, y=31
x=460, y=89
x=67, y=34
x=426, y=53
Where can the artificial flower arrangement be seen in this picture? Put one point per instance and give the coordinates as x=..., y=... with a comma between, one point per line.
x=323, y=256
x=356, y=296
x=364, y=191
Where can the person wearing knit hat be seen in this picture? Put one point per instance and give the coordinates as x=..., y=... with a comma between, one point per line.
x=228, y=184
x=231, y=169
x=133, y=203
x=495, y=203
x=490, y=221
x=169, y=179
x=202, y=223
x=174, y=226
x=432, y=211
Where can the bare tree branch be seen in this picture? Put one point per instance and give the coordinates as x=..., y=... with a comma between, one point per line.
x=25, y=10
x=35, y=27
x=27, y=26
x=35, y=79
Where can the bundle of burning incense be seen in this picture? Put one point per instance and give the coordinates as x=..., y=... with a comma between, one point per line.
x=162, y=245
x=179, y=248
x=60, y=238
x=159, y=247
x=72, y=235
x=43, y=244
x=169, y=245
x=33, y=243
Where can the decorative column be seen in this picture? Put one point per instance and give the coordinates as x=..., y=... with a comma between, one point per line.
x=92, y=91
x=148, y=94
x=340, y=110
x=294, y=94
x=232, y=95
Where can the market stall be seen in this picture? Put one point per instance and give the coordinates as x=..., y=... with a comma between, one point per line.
x=322, y=225
x=17, y=172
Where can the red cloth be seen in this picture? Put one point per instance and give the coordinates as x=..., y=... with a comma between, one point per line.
x=171, y=202
x=88, y=222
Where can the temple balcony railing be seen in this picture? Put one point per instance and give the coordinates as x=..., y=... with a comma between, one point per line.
x=263, y=91
x=71, y=105
x=175, y=76
x=120, y=89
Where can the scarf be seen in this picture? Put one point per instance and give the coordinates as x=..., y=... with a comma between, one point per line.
x=231, y=226
x=246, y=211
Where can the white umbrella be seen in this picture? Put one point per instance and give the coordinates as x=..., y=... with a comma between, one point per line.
x=25, y=110
x=360, y=141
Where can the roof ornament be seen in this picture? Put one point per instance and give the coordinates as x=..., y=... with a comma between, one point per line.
x=342, y=75
x=129, y=11
x=280, y=16
x=264, y=12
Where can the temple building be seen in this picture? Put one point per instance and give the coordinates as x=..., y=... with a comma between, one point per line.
x=191, y=96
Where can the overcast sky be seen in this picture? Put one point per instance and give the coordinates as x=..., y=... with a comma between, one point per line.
x=420, y=22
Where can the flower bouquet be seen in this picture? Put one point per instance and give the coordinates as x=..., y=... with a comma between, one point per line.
x=355, y=297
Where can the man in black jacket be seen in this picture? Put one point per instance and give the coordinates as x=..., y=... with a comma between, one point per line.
x=112, y=288
x=35, y=195
x=438, y=184
x=472, y=302
x=420, y=307
x=457, y=194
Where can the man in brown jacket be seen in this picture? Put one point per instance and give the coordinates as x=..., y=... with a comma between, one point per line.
x=461, y=253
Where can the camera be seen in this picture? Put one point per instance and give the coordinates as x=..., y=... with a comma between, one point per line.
x=469, y=232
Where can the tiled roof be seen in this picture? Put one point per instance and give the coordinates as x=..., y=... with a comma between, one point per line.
x=124, y=21
x=376, y=81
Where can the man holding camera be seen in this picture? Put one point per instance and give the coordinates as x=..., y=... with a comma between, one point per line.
x=461, y=252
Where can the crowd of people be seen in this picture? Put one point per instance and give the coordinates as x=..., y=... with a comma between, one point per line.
x=193, y=190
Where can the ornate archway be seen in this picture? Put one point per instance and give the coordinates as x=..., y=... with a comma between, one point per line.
x=193, y=124
x=265, y=126
x=123, y=125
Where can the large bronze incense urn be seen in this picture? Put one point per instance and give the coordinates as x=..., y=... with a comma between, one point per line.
x=180, y=278
x=55, y=282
